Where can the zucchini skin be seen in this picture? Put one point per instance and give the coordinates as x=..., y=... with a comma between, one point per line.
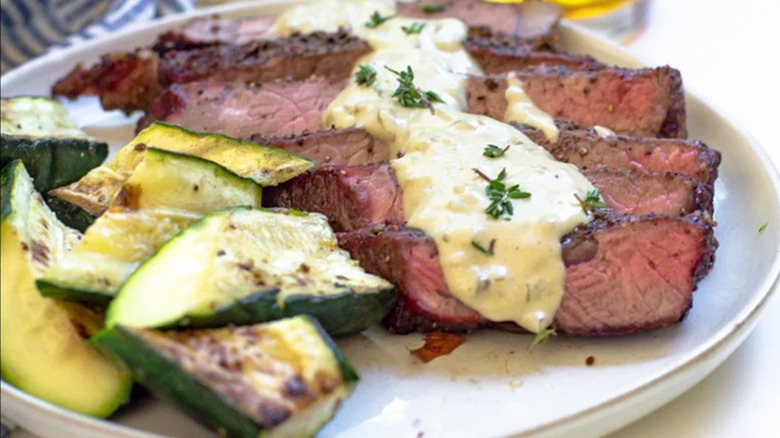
x=338, y=315
x=53, y=162
x=170, y=383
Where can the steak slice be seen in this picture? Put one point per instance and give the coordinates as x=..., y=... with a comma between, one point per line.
x=646, y=102
x=623, y=275
x=297, y=57
x=351, y=197
x=124, y=81
x=273, y=109
x=638, y=195
x=528, y=20
x=346, y=147
x=359, y=196
x=214, y=30
x=131, y=81
x=589, y=151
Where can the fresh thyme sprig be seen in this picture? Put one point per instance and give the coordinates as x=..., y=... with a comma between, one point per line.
x=592, y=201
x=416, y=27
x=408, y=94
x=500, y=195
x=489, y=251
x=376, y=19
x=430, y=8
x=541, y=338
x=366, y=75
x=493, y=151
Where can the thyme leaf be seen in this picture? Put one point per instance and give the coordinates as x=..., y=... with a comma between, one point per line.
x=375, y=20
x=430, y=8
x=493, y=151
x=592, y=201
x=500, y=195
x=366, y=75
x=408, y=94
x=541, y=338
x=762, y=228
x=489, y=251
x=416, y=27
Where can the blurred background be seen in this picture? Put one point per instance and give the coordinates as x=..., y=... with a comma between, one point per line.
x=727, y=52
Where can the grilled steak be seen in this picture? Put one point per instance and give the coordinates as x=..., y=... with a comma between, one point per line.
x=273, y=109
x=347, y=147
x=588, y=151
x=352, y=197
x=530, y=19
x=132, y=81
x=359, y=196
x=644, y=103
x=124, y=81
x=214, y=30
x=623, y=275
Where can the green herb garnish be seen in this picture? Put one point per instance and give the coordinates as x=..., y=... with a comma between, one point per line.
x=592, y=201
x=376, y=19
x=623, y=170
x=762, y=228
x=408, y=94
x=494, y=151
x=366, y=75
x=541, y=338
x=500, y=196
x=489, y=251
x=416, y=27
x=430, y=8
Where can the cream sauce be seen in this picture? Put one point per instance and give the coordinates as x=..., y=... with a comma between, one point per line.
x=520, y=108
x=603, y=132
x=523, y=280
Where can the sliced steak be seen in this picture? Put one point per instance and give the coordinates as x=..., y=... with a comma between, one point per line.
x=358, y=196
x=623, y=275
x=589, y=151
x=645, y=103
x=352, y=197
x=668, y=194
x=214, y=30
x=131, y=81
x=124, y=81
x=528, y=20
x=345, y=147
x=297, y=57
x=274, y=109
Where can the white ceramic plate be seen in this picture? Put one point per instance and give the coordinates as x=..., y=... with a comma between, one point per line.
x=491, y=386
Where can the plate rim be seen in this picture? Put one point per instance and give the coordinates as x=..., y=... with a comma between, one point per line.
x=727, y=337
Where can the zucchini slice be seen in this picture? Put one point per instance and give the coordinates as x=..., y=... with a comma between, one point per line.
x=280, y=379
x=38, y=131
x=42, y=350
x=265, y=165
x=246, y=265
x=167, y=192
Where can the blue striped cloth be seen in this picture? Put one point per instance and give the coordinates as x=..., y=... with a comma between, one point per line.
x=33, y=27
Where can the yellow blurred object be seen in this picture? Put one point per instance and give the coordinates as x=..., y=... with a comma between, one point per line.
x=577, y=9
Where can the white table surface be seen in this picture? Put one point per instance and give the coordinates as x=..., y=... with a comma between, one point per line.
x=727, y=51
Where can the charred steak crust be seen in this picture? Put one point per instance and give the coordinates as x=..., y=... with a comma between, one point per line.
x=618, y=280
x=646, y=102
x=297, y=57
x=212, y=31
x=589, y=151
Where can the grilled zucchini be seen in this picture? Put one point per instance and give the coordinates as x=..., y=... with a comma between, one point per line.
x=42, y=350
x=265, y=165
x=167, y=192
x=281, y=379
x=38, y=131
x=247, y=265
